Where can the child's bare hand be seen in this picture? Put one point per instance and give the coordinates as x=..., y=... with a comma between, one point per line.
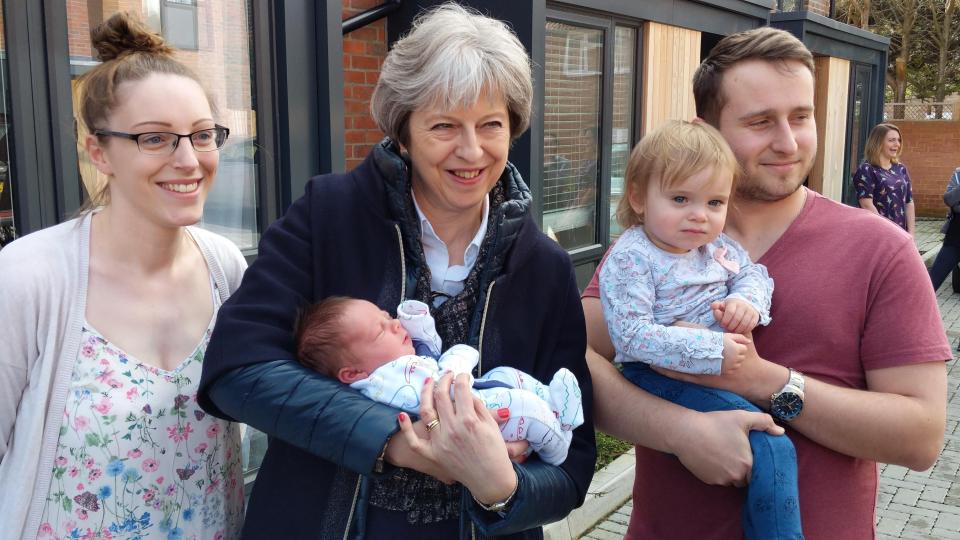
x=734, y=352
x=735, y=315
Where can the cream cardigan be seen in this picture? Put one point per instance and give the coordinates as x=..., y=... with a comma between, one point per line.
x=43, y=293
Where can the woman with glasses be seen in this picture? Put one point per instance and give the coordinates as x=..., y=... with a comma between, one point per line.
x=106, y=320
x=435, y=213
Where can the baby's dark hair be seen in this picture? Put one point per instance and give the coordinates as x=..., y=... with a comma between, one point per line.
x=319, y=335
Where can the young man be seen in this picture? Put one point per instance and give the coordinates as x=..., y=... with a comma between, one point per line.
x=853, y=360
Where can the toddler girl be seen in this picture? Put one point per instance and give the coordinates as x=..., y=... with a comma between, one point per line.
x=673, y=264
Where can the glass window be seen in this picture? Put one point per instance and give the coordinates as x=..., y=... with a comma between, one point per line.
x=179, y=22
x=223, y=61
x=589, y=116
x=8, y=229
x=571, y=124
x=624, y=77
x=222, y=58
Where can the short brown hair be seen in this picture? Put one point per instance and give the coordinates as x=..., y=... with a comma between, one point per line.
x=128, y=51
x=871, y=151
x=673, y=153
x=767, y=44
x=319, y=335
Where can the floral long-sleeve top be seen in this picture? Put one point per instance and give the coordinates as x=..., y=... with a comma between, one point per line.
x=644, y=290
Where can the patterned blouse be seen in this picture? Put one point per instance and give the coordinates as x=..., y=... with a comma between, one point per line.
x=137, y=457
x=890, y=190
x=644, y=290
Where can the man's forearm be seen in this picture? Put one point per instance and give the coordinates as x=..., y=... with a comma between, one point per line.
x=900, y=420
x=625, y=411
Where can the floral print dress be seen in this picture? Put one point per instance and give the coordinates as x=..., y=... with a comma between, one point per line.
x=890, y=190
x=137, y=457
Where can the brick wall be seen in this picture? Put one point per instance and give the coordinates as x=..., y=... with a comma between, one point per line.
x=930, y=154
x=363, y=52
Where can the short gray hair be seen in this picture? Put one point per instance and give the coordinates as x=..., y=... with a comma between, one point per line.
x=450, y=57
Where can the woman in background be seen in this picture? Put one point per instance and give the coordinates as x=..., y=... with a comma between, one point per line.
x=882, y=182
x=106, y=319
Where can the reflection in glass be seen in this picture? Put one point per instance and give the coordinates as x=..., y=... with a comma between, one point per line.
x=221, y=57
x=573, y=82
x=8, y=230
x=625, y=44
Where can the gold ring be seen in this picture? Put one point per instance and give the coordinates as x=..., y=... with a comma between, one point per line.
x=431, y=425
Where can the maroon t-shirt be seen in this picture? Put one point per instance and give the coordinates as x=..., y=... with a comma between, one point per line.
x=851, y=294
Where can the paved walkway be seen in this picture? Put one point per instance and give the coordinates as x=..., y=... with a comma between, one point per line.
x=914, y=505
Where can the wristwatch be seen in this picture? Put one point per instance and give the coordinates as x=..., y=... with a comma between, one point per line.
x=788, y=402
x=499, y=506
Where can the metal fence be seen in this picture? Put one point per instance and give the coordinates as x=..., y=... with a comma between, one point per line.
x=920, y=111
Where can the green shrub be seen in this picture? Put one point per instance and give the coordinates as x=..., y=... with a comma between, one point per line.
x=608, y=449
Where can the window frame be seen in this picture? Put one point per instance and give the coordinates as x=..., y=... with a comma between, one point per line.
x=608, y=24
x=185, y=6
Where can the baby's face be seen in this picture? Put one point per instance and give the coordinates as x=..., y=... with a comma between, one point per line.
x=373, y=337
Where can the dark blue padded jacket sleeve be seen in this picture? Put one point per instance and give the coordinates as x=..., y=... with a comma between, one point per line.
x=319, y=415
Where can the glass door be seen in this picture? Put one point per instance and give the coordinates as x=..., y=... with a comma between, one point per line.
x=858, y=126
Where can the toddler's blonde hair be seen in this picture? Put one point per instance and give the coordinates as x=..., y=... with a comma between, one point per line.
x=672, y=153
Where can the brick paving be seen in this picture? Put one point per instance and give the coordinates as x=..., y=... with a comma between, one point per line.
x=910, y=505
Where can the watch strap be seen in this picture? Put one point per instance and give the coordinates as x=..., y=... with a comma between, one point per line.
x=499, y=506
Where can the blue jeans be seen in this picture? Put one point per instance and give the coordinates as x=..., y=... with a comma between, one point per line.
x=772, y=508
x=945, y=262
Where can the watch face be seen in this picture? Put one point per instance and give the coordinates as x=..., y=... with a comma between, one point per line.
x=786, y=406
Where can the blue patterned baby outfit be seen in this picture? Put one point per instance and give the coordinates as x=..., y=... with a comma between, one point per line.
x=544, y=415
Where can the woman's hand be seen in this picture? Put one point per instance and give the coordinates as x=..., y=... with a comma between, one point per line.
x=465, y=445
x=411, y=447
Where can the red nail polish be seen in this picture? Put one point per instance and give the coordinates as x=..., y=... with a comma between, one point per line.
x=402, y=416
x=503, y=413
x=427, y=381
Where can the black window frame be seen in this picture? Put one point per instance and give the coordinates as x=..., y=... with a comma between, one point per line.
x=608, y=23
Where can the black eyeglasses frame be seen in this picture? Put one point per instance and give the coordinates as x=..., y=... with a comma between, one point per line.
x=220, y=139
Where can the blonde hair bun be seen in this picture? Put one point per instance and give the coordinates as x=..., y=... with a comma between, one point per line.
x=123, y=34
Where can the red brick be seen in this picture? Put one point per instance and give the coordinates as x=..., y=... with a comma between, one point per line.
x=364, y=62
x=362, y=92
x=354, y=77
x=354, y=46
x=364, y=122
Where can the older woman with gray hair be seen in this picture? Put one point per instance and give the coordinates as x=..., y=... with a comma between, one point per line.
x=435, y=213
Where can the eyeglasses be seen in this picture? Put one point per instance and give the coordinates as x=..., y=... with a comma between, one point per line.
x=164, y=143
